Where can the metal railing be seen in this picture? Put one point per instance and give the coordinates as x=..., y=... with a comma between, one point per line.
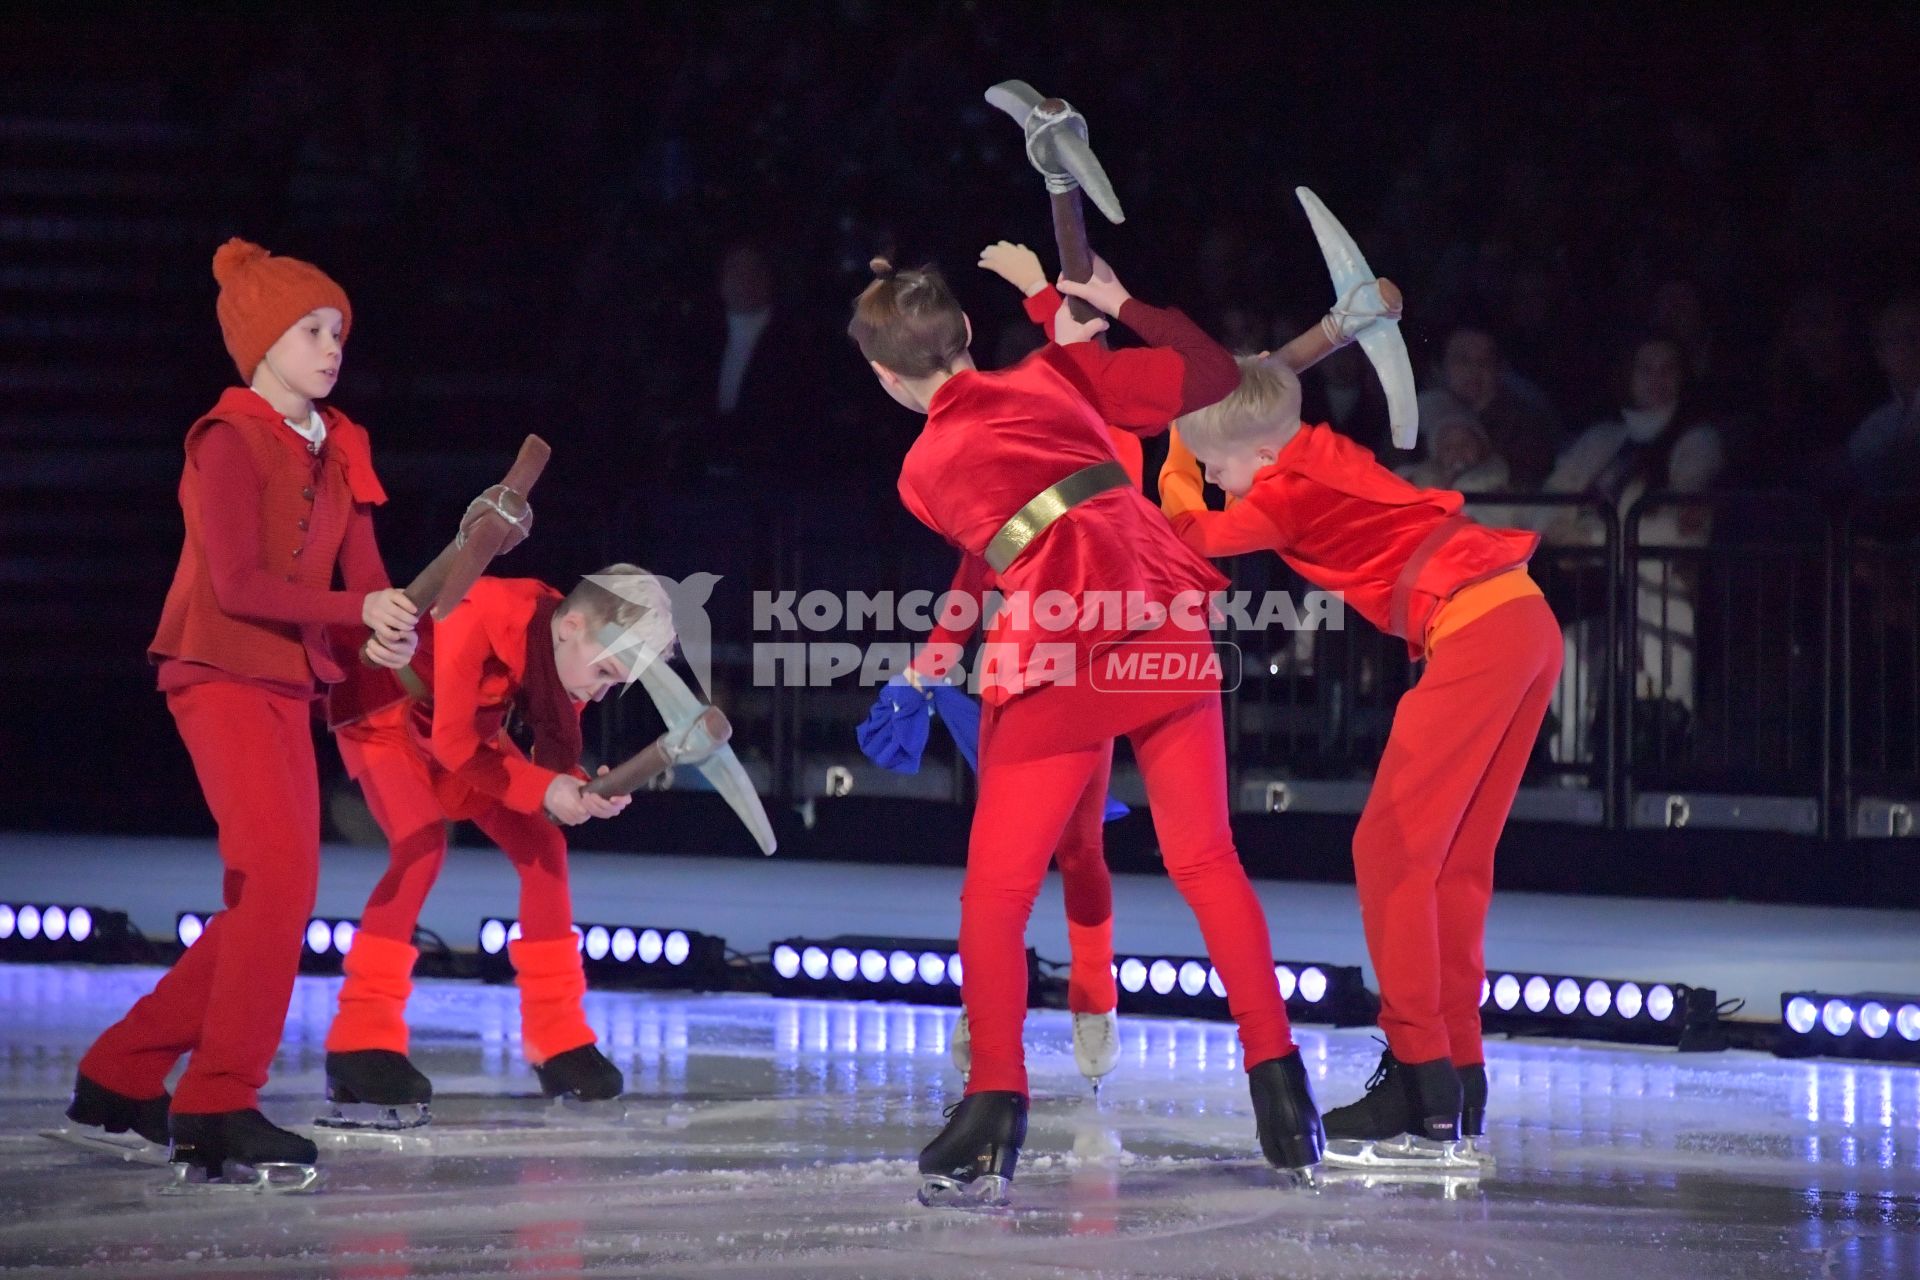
x=1726, y=638
x=1742, y=643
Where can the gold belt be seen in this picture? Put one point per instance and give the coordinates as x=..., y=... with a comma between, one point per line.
x=1030, y=521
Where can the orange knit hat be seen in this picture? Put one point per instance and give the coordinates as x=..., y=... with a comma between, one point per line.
x=261, y=296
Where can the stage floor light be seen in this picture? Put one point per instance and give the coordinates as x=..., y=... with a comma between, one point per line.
x=1874, y=1025
x=858, y=967
x=1190, y=987
x=63, y=932
x=1521, y=1002
x=622, y=955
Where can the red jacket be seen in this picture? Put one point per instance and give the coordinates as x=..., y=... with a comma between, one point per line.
x=994, y=441
x=1345, y=523
x=267, y=521
x=479, y=662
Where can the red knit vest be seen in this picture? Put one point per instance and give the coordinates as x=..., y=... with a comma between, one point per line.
x=305, y=504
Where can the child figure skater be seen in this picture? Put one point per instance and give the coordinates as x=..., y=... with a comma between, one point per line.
x=1085, y=883
x=277, y=494
x=1459, y=594
x=512, y=645
x=1016, y=467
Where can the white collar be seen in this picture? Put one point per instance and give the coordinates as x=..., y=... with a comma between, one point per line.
x=314, y=432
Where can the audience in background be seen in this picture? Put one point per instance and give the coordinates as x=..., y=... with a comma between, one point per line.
x=1475, y=378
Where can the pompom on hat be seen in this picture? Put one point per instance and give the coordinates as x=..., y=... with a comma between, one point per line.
x=261, y=297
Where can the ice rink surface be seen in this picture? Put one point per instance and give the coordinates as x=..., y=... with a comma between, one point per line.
x=776, y=1138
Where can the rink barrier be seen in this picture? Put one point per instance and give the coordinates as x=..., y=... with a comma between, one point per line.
x=1735, y=660
x=1309, y=718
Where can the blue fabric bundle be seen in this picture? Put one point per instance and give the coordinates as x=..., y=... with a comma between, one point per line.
x=894, y=734
x=895, y=731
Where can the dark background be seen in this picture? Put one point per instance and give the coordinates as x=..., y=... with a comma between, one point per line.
x=529, y=206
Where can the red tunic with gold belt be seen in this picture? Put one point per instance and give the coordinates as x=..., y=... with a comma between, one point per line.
x=972, y=577
x=994, y=441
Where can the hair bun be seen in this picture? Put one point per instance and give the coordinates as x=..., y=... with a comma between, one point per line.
x=881, y=268
x=234, y=255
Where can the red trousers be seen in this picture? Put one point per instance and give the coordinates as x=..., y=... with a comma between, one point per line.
x=1423, y=852
x=1087, y=886
x=225, y=1000
x=398, y=781
x=1042, y=762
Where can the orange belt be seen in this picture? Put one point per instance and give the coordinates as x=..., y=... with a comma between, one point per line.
x=1474, y=601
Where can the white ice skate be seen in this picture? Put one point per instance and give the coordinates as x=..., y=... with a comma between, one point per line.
x=1096, y=1045
x=960, y=1046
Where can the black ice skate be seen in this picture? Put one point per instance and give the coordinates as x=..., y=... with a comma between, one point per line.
x=376, y=1089
x=1409, y=1119
x=239, y=1151
x=581, y=1075
x=1473, y=1114
x=110, y=1123
x=1285, y=1116
x=971, y=1163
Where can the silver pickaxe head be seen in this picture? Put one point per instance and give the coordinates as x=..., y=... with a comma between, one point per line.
x=1367, y=310
x=1057, y=144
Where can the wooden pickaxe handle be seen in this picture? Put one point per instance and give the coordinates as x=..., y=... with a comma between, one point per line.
x=641, y=768
x=452, y=573
x=1315, y=345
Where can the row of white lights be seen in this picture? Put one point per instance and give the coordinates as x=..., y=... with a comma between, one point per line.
x=51, y=923
x=621, y=944
x=1839, y=1017
x=1568, y=997
x=1192, y=978
x=867, y=964
x=322, y=936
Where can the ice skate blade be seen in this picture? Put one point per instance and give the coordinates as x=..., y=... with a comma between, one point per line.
x=988, y=1191
x=128, y=1147
x=1452, y=1184
x=567, y=1104
x=1404, y=1152
x=1477, y=1150
x=269, y=1178
x=414, y=1141
x=361, y=1117
x=1305, y=1178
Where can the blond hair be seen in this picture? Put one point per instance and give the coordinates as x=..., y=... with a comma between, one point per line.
x=1266, y=403
x=631, y=599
